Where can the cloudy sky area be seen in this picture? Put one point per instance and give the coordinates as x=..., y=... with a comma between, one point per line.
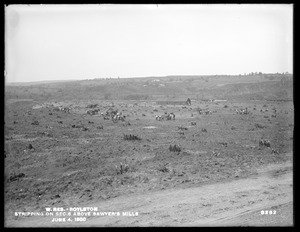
x=64, y=42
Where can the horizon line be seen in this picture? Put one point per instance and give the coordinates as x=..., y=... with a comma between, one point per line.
x=171, y=75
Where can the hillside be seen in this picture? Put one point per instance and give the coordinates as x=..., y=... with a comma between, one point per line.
x=256, y=87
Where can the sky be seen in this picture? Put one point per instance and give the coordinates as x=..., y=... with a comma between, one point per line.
x=72, y=42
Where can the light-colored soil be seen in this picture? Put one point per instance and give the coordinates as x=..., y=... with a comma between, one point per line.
x=228, y=203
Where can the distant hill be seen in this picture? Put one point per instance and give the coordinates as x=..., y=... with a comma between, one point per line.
x=36, y=82
x=264, y=86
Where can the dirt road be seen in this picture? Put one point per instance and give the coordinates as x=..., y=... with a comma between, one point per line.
x=232, y=203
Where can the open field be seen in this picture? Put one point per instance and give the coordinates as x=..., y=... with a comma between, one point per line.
x=62, y=159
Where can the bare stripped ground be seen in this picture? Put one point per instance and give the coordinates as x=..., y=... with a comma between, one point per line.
x=213, y=165
x=229, y=203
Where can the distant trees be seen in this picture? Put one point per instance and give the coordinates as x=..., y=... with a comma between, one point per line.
x=253, y=73
x=261, y=73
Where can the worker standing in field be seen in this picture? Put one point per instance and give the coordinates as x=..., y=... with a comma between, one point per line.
x=188, y=101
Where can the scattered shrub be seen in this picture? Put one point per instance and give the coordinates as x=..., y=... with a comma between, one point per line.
x=77, y=126
x=163, y=168
x=174, y=148
x=15, y=177
x=264, y=142
x=223, y=143
x=259, y=126
x=122, y=168
x=131, y=137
